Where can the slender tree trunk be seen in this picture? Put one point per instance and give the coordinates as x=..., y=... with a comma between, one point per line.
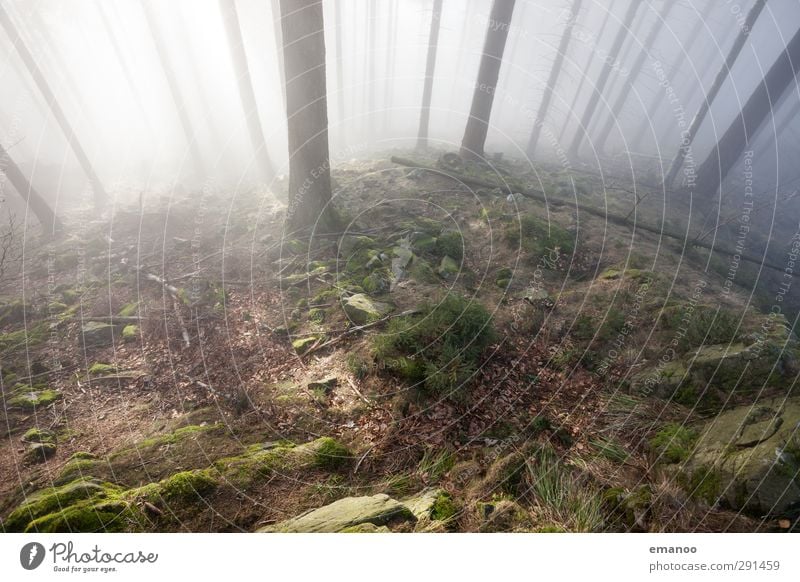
x=247, y=96
x=605, y=75
x=633, y=74
x=585, y=70
x=388, y=84
x=100, y=196
x=372, y=81
x=172, y=83
x=134, y=88
x=276, y=35
x=729, y=148
x=302, y=27
x=44, y=214
x=552, y=80
x=430, y=68
x=486, y=84
x=339, y=23
x=675, y=65
x=688, y=137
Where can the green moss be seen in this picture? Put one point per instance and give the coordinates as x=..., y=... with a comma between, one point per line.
x=77, y=468
x=30, y=337
x=29, y=399
x=704, y=483
x=377, y=282
x=94, y=515
x=54, y=499
x=422, y=271
x=188, y=485
x=100, y=368
x=129, y=310
x=38, y=435
x=304, y=343
x=130, y=332
x=444, y=507
x=673, y=442
x=539, y=237
x=331, y=454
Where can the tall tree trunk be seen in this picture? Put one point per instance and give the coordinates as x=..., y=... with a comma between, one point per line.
x=430, y=68
x=372, y=81
x=552, y=80
x=44, y=214
x=100, y=196
x=486, y=84
x=675, y=65
x=339, y=23
x=277, y=36
x=605, y=75
x=134, y=88
x=633, y=73
x=688, y=136
x=302, y=27
x=172, y=83
x=729, y=148
x=388, y=84
x=585, y=70
x=247, y=96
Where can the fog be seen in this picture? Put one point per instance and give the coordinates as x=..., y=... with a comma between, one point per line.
x=101, y=62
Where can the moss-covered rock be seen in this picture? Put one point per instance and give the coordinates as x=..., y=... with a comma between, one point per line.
x=98, y=334
x=28, y=398
x=130, y=333
x=39, y=435
x=303, y=344
x=361, y=309
x=448, y=268
x=346, y=514
x=99, y=369
x=749, y=458
x=39, y=452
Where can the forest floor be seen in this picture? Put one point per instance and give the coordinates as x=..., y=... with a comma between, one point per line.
x=454, y=359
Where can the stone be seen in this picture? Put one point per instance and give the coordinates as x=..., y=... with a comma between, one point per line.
x=361, y=309
x=448, y=268
x=753, y=452
x=39, y=452
x=97, y=334
x=325, y=386
x=304, y=343
x=345, y=514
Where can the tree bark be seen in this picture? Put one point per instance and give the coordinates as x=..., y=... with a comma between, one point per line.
x=430, y=68
x=339, y=23
x=688, y=137
x=605, y=75
x=552, y=80
x=277, y=36
x=486, y=84
x=100, y=196
x=585, y=71
x=388, y=85
x=675, y=65
x=633, y=74
x=172, y=83
x=302, y=28
x=247, y=96
x=44, y=214
x=729, y=148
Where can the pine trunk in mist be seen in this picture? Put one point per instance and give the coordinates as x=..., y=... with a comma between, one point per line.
x=371, y=79
x=584, y=72
x=247, y=96
x=552, y=80
x=172, y=83
x=430, y=68
x=123, y=65
x=675, y=65
x=44, y=214
x=688, y=136
x=302, y=27
x=388, y=84
x=756, y=111
x=634, y=72
x=486, y=84
x=100, y=196
x=277, y=36
x=339, y=23
x=603, y=79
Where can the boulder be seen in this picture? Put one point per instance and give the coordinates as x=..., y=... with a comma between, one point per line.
x=448, y=268
x=97, y=334
x=751, y=457
x=346, y=514
x=361, y=309
x=39, y=452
